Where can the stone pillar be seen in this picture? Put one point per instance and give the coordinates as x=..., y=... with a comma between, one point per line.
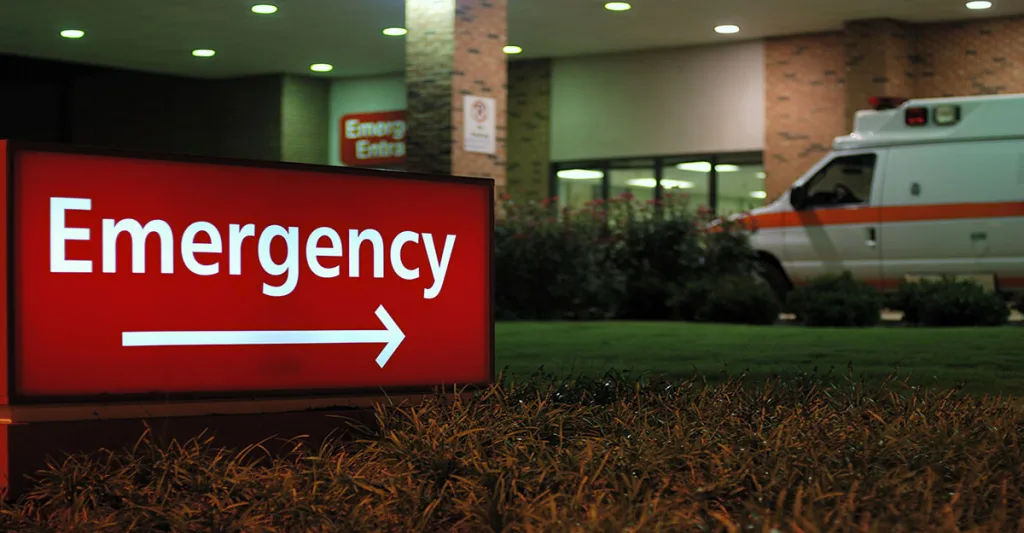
x=529, y=128
x=878, y=62
x=454, y=48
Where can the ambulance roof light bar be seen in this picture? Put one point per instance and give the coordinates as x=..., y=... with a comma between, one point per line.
x=941, y=115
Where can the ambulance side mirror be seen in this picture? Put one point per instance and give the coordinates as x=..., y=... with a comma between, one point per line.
x=798, y=197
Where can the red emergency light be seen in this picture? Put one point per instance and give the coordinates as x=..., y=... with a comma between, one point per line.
x=916, y=116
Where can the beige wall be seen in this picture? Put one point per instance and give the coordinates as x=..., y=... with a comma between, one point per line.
x=682, y=101
x=361, y=95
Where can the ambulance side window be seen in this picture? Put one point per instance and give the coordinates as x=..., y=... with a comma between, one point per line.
x=846, y=180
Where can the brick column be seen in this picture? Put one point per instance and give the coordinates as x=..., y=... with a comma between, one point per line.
x=805, y=97
x=878, y=62
x=529, y=127
x=454, y=48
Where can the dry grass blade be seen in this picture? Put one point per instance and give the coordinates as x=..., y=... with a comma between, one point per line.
x=587, y=455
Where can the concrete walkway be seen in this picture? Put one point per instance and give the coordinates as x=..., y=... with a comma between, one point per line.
x=896, y=316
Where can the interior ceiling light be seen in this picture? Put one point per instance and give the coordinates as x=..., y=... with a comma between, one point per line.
x=727, y=28
x=758, y=194
x=979, y=4
x=651, y=183
x=394, y=32
x=321, y=67
x=761, y=175
x=704, y=166
x=618, y=6
x=580, y=174
x=512, y=49
x=203, y=52
x=264, y=9
x=72, y=34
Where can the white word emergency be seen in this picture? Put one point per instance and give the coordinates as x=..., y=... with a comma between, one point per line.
x=388, y=138
x=206, y=258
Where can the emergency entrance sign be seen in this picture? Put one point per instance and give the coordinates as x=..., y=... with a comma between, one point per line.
x=136, y=276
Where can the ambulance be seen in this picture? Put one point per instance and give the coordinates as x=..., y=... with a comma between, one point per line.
x=920, y=188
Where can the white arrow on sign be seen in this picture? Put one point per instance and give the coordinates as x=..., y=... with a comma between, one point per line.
x=391, y=337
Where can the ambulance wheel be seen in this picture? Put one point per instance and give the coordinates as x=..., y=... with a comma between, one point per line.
x=772, y=275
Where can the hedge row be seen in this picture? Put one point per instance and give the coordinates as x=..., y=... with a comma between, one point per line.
x=624, y=258
x=839, y=300
x=658, y=260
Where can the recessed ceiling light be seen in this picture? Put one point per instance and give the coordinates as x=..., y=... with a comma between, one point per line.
x=704, y=166
x=321, y=67
x=761, y=175
x=618, y=6
x=264, y=9
x=676, y=184
x=758, y=194
x=580, y=174
x=979, y=4
x=727, y=28
x=203, y=52
x=395, y=32
x=72, y=34
x=651, y=183
x=512, y=49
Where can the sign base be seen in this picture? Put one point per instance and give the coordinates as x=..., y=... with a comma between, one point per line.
x=26, y=444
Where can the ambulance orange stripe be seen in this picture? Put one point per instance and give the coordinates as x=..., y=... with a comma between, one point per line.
x=902, y=213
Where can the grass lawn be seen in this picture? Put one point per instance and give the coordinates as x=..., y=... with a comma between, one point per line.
x=990, y=360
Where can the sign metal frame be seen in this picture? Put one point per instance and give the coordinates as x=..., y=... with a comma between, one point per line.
x=16, y=398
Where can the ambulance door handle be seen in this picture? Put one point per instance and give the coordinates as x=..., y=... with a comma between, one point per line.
x=872, y=242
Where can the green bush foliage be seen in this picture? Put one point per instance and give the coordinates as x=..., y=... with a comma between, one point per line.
x=836, y=300
x=729, y=299
x=949, y=302
x=808, y=453
x=619, y=259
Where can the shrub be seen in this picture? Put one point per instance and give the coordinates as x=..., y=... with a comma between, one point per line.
x=552, y=268
x=728, y=252
x=908, y=297
x=949, y=302
x=620, y=259
x=836, y=301
x=733, y=299
x=656, y=247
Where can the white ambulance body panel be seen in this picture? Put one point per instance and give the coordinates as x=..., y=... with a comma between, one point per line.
x=894, y=200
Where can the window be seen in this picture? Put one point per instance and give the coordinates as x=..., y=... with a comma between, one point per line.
x=723, y=183
x=578, y=186
x=844, y=181
x=740, y=186
x=690, y=178
x=635, y=177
